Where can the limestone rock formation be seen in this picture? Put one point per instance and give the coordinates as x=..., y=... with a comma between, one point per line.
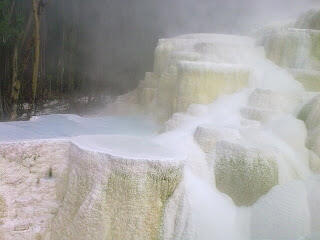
x=32, y=179
x=118, y=193
x=207, y=136
x=309, y=20
x=315, y=160
x=244, y=173
x=193, y=69
x=278, y=102
x=61, y=190
x=202, y=82
x=310, y=113
x=309, y=78
x=313, y=142
x=256, y=114
x=296, y=47
x=264, y=104
x=246, y=159
x=229, y=135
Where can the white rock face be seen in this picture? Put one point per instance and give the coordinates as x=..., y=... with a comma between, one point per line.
x=292, y=48
x=296, y=47
x=97, y=187
x=120, y=191
x=32, y=182
x=207, y=136
x=264, y=104
x=310, y=113
x=256, y=114
x=278, y=102
x=309, y=20
x=245, y=146
x=313, y=141
x=265, y=149
x=314, y=162
x=287, y=211
x=310, y=79
x=244, y=173
x=194, y=69
x=202, y=82
x=199, y=68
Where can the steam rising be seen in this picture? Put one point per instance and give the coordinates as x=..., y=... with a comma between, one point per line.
x=118, y=37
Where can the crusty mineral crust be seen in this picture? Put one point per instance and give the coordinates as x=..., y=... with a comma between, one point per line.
x=58, y=190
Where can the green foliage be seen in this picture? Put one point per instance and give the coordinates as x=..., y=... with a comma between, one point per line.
x=11, y=23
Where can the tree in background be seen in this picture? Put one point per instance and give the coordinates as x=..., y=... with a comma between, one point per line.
x=71, y=50
x=11, y=21
x=36, y=18
x=21, y=54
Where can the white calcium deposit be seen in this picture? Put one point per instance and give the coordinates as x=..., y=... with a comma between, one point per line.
x=237, y=156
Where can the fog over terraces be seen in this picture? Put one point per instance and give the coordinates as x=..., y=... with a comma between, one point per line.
x=202, y=120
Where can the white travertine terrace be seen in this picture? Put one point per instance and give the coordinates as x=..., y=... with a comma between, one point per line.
x=86, y=189
x=194, y=69
x=238, y=166
x=32, y=176
x=296, y=47
x=235, y=158
x=310, y=114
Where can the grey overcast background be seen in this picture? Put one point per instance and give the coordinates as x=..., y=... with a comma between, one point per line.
x=121, y=35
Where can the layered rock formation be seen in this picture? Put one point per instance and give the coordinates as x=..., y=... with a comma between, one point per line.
x=310, y=114
x=32, y=184
x=244, y=173
x=230, y=136
x=296, y=47
x=193, y=69
x=63, y=190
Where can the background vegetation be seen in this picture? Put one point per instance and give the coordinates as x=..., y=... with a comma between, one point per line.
x=70, y=49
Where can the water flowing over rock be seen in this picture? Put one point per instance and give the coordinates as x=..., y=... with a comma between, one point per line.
x=309, y=20
x=189, y=70
x=296, y=47
x=236, y=156
x=287, y=211
x=310, y=114
x=121, y=193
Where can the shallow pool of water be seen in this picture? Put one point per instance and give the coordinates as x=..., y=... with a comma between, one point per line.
x=66, y=125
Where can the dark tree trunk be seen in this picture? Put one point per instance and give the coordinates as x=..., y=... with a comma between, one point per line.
x=37, y=42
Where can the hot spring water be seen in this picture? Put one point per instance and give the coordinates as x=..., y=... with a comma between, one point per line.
x=247, y=173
